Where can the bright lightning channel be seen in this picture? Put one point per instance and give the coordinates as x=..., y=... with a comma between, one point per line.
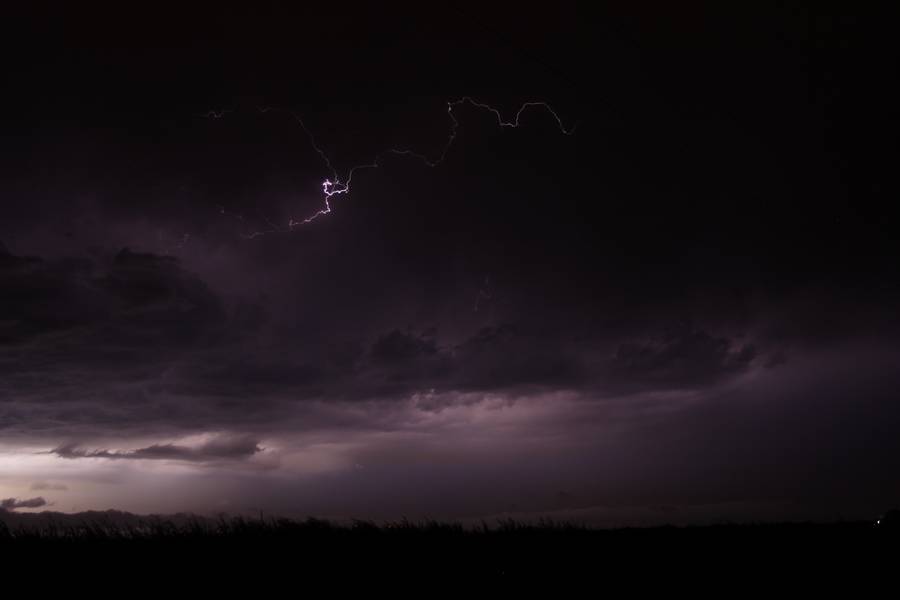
x=335, y=185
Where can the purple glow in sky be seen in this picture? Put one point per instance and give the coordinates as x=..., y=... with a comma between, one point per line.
x=684, y=312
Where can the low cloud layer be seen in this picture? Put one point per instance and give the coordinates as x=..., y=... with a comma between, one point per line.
x=215, y=450
x=134, y=342
x=11, y=504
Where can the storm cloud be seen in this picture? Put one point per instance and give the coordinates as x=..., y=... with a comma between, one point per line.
x=690, y=301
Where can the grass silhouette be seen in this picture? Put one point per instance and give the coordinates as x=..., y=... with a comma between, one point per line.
x=287, y=551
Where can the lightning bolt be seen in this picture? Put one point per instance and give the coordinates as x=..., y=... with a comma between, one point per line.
x=217, y=114
x=335, y=185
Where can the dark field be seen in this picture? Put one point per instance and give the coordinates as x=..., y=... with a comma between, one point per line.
x=314, y=549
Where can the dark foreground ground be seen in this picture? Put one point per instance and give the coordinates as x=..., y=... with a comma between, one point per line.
x=226, y=551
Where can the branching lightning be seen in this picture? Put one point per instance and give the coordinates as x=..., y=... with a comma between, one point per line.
x=335, y=185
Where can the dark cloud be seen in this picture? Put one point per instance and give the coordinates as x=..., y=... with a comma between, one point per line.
x=685, y=357
x=511, y=356
x=13, y=503
x=215, y=450
x=518, y=358
x=128, y=300
x=397, y=347
x=134, y=341
x=46, y=297
x=101, y=329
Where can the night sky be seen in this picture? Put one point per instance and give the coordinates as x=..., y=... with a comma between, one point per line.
x=683, y=311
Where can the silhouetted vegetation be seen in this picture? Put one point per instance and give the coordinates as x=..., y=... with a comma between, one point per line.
x=505, y=548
